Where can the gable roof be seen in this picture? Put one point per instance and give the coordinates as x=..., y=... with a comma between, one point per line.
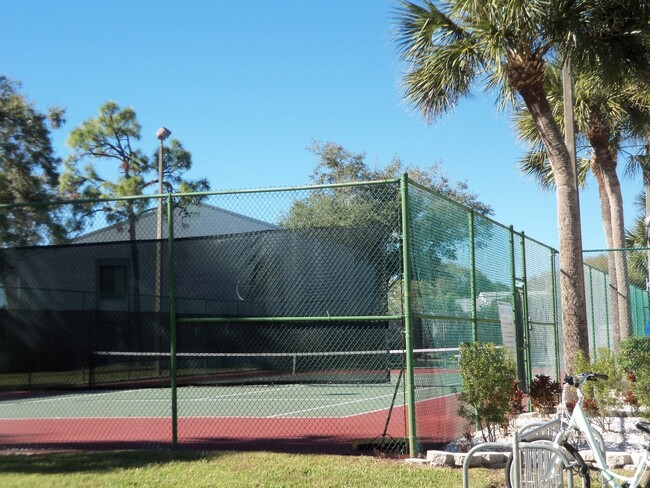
x=193, y=221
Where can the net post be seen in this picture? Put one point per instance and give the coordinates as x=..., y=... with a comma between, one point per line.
x=172, y=321
x=408, y=339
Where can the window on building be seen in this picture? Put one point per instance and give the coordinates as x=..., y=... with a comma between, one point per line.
x=112, y=281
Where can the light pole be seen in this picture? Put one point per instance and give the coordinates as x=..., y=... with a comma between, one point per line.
x=162, y=134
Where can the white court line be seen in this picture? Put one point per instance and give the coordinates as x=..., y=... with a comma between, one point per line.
x=60, y=398
x=211, y=398
x=94, y=419
x=234, y=395
x=397, y=405
x=116, y=393
x=242, y=394
x=328, y=406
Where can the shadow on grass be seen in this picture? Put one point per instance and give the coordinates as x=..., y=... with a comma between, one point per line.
x=96, y=461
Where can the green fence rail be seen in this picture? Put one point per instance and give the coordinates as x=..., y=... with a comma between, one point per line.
x=316, y=318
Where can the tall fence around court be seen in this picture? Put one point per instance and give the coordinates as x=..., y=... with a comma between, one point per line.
x=319, y=318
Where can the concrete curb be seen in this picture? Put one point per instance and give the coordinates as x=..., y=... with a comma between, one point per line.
x=485, y=459
x=497, y=460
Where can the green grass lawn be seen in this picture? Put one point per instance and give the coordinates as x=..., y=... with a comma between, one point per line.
x=227, y=469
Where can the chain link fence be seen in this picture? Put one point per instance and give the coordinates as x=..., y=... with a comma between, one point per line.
x=615, y=310
x=324, y=318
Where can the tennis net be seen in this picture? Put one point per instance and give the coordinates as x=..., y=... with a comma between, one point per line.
x=137, y=369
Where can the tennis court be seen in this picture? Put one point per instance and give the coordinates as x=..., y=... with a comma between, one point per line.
x=281, y=401
x=321, y=417
x=251, y=323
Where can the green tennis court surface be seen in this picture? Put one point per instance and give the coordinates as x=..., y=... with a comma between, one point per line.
x=272, y=401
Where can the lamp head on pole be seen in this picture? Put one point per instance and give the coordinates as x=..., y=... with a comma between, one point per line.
x=163, y=133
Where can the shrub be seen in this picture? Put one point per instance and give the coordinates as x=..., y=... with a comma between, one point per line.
x=516, y=399
x=629, y=398
x=487, y=373
x=634, y=353
x=544, y=393
x=604, y=398
x=640, y=388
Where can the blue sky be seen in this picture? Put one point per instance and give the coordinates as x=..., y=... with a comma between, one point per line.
x=246, y=85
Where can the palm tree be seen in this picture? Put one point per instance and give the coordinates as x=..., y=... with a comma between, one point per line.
x=507, y=44
x=605, y=118
x=636, y=237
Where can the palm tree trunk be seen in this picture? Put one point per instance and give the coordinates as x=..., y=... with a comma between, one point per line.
x=606, y=217
x=599, y=139
x=574, y=311
x=618, y=241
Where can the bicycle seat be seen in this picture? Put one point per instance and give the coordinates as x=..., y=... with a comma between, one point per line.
x=643, y=426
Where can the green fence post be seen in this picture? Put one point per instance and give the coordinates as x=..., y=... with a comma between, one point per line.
x=637, y=327
x=513, y=285
x=524, y=302
x=643, y=298
x=644, y=308
x=556, y=338
x=172, y=319
x=408, y=339
x=609, y=345
x=591, y=302
x=472, y=276
x=633, y=311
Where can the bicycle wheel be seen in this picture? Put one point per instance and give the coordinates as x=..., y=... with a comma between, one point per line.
x=541, y=468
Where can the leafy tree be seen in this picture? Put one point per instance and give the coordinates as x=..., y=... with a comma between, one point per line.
x=449, y=47
x=29, y=169
x=379, y=205
x=337, y=165
x=361, y=205
x=110, y=139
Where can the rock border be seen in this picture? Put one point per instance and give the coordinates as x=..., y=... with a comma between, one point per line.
x=497, y=460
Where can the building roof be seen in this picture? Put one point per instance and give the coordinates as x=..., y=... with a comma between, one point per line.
x=192, y=221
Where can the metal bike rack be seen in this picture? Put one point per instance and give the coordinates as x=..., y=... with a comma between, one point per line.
x=515, y=447
x=550, y=428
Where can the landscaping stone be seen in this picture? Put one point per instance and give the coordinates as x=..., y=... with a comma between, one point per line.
x=417, y=461
x=440, y=458
x=618, y=459
x=474, y=462
x=492, y=459
x=637, y=457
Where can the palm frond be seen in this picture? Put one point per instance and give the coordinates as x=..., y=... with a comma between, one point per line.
x=441, y=59
x=535, y=163
x=639, y=165
x=525, y=128
x=421, y=27
x=635, y=236
x=436, y=84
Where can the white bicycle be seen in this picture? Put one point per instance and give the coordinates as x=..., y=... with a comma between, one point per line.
x=540, y=468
